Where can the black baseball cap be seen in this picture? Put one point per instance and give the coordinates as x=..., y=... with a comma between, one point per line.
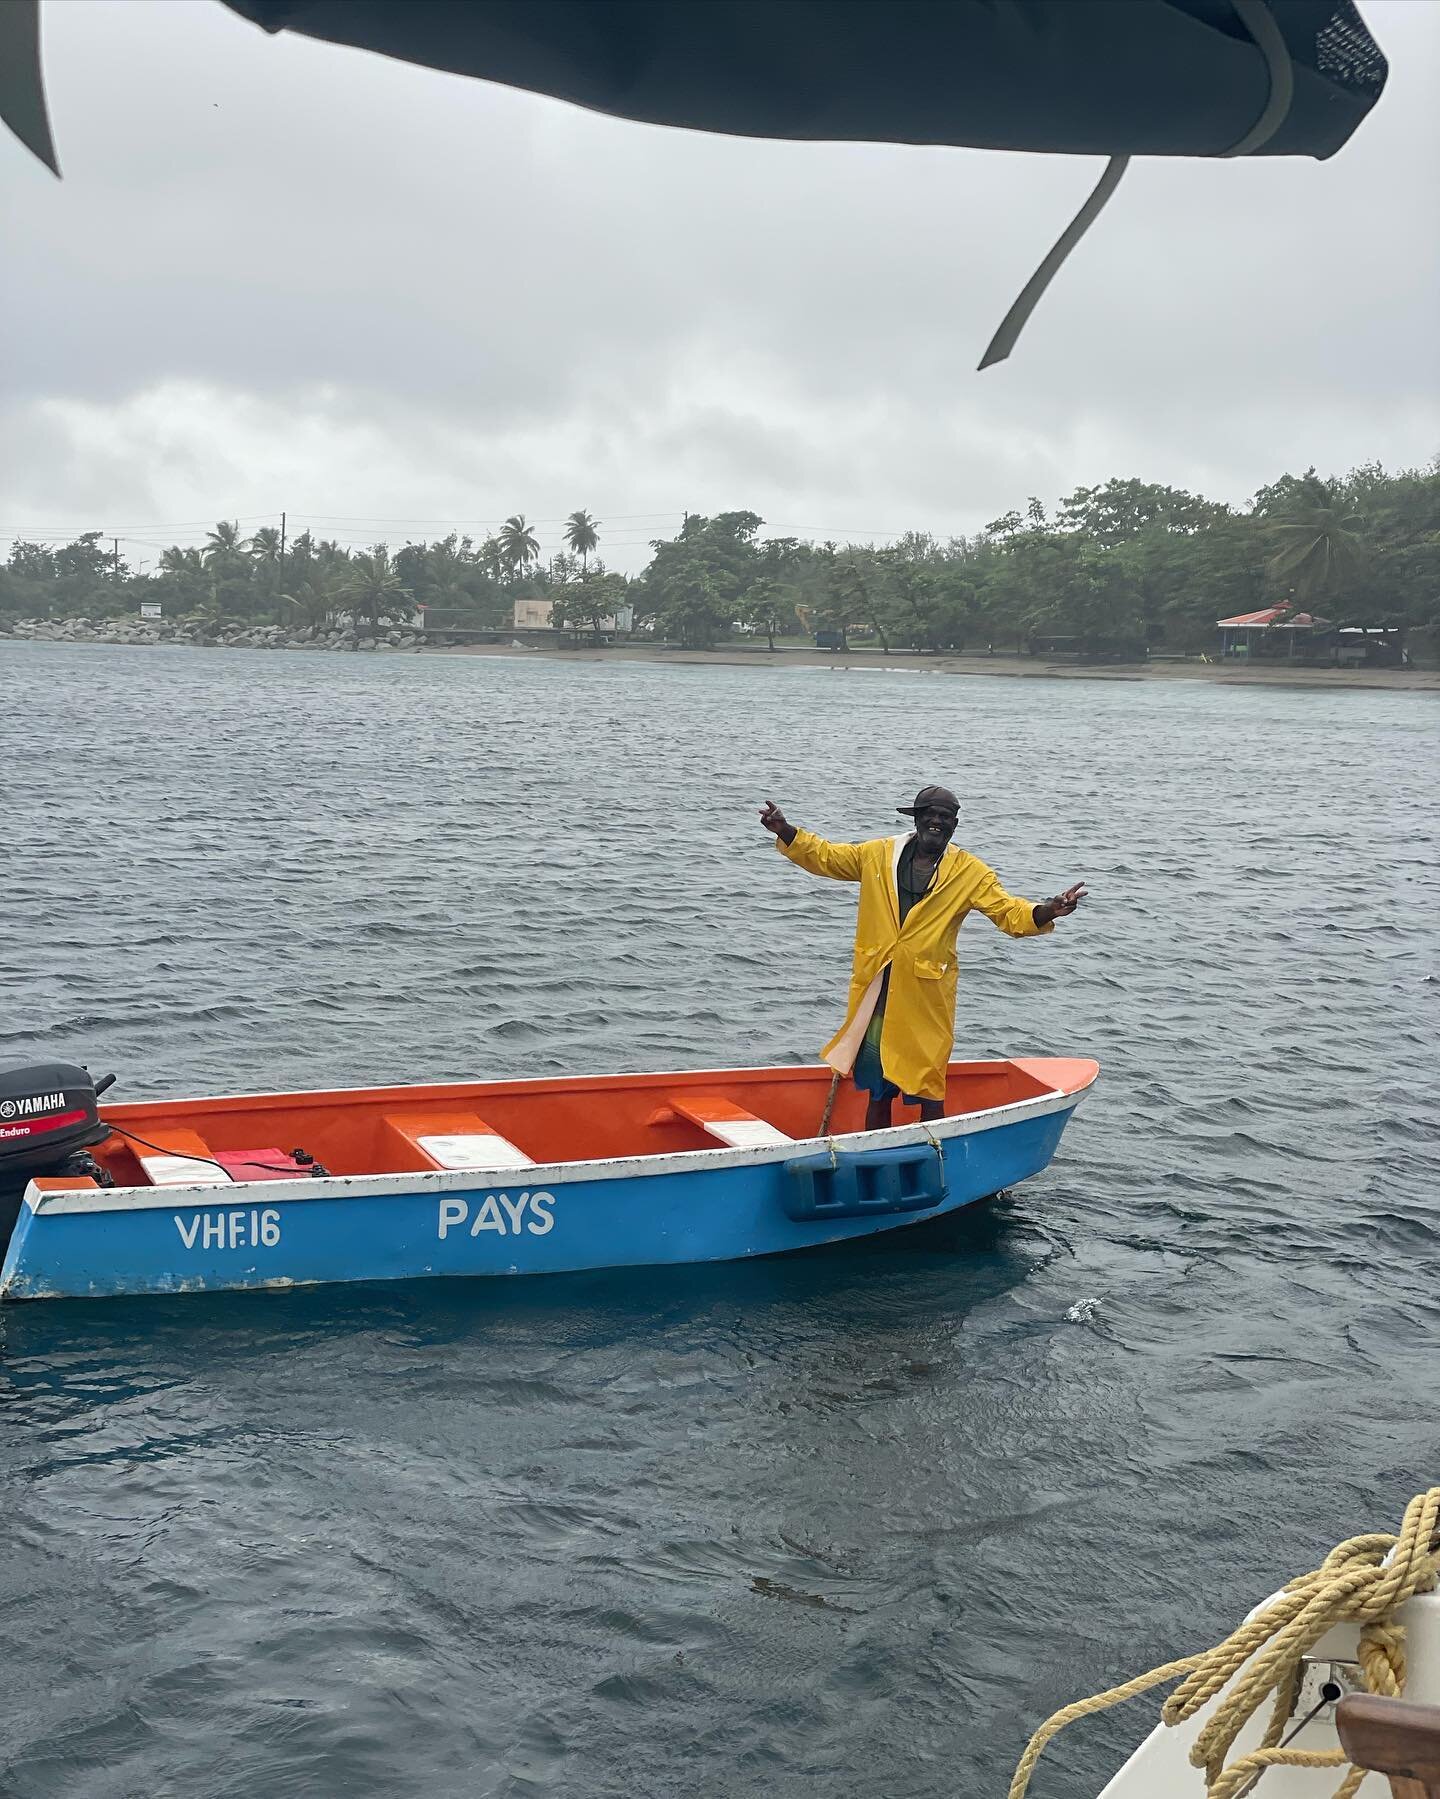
x=939, y=798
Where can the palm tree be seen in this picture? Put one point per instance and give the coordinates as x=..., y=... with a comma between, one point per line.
x=264, y=548
x=183, y=573
x=372, y=589
x=519, y=546
x=313, y=602
x=489, y=559
x=582, y=536
x=265, y=545
x=1315, y=552
x=308, y=603
x=225, y=559
x=223, y=543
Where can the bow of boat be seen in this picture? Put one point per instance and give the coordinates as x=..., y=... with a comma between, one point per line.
x=1063, y=1074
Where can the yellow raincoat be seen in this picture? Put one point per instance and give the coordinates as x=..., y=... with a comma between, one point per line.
x=919, y=1030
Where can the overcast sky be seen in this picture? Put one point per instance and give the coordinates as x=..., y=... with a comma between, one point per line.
x=282, y=274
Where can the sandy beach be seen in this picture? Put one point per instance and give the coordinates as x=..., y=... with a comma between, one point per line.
x=1025, y=668
x=865, y=661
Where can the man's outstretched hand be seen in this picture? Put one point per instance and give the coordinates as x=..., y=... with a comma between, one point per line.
x=774, y=820
x=1062, y=905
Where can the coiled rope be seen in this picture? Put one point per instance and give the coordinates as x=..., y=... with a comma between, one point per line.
x=1362, y=1581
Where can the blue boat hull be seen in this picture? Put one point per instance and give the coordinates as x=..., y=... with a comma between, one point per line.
x=697, y=1208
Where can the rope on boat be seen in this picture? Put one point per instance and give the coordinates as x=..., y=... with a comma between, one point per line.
x=1363, y=1581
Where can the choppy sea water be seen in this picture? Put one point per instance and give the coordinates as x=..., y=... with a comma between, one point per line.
x=842, y=1524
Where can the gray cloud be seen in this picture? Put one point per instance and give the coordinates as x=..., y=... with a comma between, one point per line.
x=282, y=274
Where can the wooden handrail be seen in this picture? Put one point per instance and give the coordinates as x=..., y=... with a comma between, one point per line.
x=1394, y=1737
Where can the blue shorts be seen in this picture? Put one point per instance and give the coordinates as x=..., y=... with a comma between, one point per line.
x=868, y=1074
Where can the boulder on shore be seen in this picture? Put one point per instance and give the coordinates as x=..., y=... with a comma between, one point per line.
x=206, y=633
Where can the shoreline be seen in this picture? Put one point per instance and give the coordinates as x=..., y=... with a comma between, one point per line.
x=1019, y=668
x=856, y=661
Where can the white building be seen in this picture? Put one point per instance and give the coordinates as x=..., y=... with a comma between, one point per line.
x=535, y=615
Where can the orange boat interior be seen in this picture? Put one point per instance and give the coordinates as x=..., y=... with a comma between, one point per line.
x=516, y=1124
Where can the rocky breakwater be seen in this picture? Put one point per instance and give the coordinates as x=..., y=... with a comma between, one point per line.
x=218, y=635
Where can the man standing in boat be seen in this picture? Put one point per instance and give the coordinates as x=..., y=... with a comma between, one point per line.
x=915, y=890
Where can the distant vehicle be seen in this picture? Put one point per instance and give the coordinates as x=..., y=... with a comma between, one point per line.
x=830, y=640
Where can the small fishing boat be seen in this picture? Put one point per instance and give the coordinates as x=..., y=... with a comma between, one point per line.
x=487, y=1178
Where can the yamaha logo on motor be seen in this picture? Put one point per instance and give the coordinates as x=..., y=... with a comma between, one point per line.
x=31, y=1104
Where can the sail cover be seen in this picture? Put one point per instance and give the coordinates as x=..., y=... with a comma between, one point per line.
x=1108, y=77
x=1118, y=78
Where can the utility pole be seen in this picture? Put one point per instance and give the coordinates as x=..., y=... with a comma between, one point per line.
x=282, y=549
x=115, y=549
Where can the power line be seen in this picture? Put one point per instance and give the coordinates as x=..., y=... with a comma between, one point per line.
x=636, y=529
x=146, y=543
x=374, y=518
x=69, y=532
x=321, y=522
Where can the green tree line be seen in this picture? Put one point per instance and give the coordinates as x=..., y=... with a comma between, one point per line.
x=1113, y=569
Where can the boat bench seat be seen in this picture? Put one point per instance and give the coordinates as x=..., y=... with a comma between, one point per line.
x=455, y=1140
x=180, y=1158
x=725, y=1121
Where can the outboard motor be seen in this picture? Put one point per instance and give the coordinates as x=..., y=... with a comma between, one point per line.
x=49, y=1116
